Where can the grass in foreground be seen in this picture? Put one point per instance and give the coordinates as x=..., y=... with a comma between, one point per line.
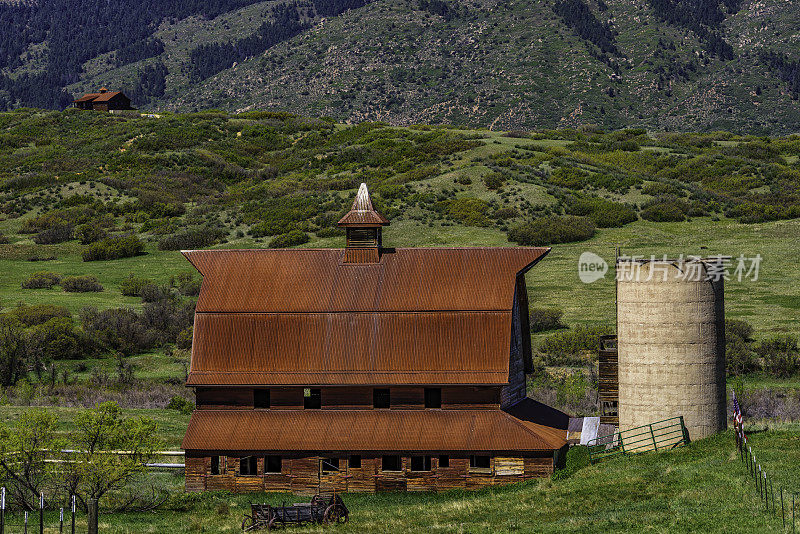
x=700, y=488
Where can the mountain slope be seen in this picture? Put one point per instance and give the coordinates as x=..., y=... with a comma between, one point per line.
x=662, y=64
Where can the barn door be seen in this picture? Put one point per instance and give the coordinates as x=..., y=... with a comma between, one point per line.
x=332, y=473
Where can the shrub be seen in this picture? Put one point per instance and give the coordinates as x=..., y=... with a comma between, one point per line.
x=668, y=211
x=469, y=210
x=42, y=280
x=58, y=339
x=567, y=346
x=118, y=329
x=132, y=286
x=89, y=233
x=781, y=356
x=739, y=357
x=737, y=328
x=181, y=404
x=186, y=284
x=551, y=230
x=330, y=231
x=577, y=458
x=3, y=238
x=290, y=239
x=494, y=181
x=506, y=213
x=112, y=248
x=39, y=313
x=184, y=339
x=569, y=177
x=53, y=235
x=542, y=319
x=661, y=188
x=191, y=239
x=604, y=213
x=81, y=284
x=153, y=293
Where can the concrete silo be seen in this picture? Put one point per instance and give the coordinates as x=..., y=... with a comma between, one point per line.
x=671, y=344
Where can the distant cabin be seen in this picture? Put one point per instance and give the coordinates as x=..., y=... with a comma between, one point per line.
x=104, y=100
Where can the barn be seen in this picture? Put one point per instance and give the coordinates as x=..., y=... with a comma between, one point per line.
x=104, y=100
x=365, y=369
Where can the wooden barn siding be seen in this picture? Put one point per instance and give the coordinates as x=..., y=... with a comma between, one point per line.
x=343, y=398
x=515, y=391
x=302, y=475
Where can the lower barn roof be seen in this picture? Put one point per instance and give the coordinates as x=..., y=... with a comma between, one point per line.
x=367, y=431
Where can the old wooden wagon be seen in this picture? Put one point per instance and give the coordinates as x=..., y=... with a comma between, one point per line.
x=319, y=510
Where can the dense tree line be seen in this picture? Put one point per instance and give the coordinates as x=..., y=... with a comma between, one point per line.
x=152, y=83
x=77, y=31
x=139, y=50
x=786, y=69
x=703, y=17
x=577, y=15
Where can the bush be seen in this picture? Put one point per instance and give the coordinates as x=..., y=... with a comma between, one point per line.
x=53, y=235
x=604, y=213
x=736, y=328
x=330, y=231
x=3, y=238
x=577, y=458
x=132, y=286
x=112, y=248
x=154, y=293
x=118, y=329
x=39, y=313
x=739, y=357
x=89, y=233
x=542, y=319
x=551, y=230
x=181, y=404
x=184, y=339
x=781, y=356
x=567, y=347
x=506, y=213
x=494, y=181
x=81, y=284
x=58, y=339
x=186, y=284
x=668, y=211
x=569, y=177
x=293, y=238
x=469, y=210
x=191, y=239
x=42, y=280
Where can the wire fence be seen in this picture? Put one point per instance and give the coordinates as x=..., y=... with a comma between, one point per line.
x=783, y=501
x=25, y=522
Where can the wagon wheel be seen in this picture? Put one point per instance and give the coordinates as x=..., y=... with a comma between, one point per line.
x=248, y=524
x=334, y=514
x=274, y=524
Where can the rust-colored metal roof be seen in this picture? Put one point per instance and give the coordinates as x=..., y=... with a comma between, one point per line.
x=366, y=431
x=105, y=97
x=318, y=281
x=363, y=213
x=418, y=316
x=87, y=97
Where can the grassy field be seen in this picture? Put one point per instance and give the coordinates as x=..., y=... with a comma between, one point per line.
x=771, y=304
x=700, y=488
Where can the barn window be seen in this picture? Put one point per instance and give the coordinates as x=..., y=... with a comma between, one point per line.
x=420, y=463
x=354, y=462
x=248, y=466
x=215, y=465
x=390, y=462
x=433, y=397
x=444, y=461
x=272, y=464
x=329, y=465
x=381, y=398
x=312, y=399
x=261, y=398
x=479, y=462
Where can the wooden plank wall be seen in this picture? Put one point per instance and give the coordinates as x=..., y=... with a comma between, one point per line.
x=302, y=475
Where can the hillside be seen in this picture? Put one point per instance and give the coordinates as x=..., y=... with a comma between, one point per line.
x=522, y=64
x=74, y=184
